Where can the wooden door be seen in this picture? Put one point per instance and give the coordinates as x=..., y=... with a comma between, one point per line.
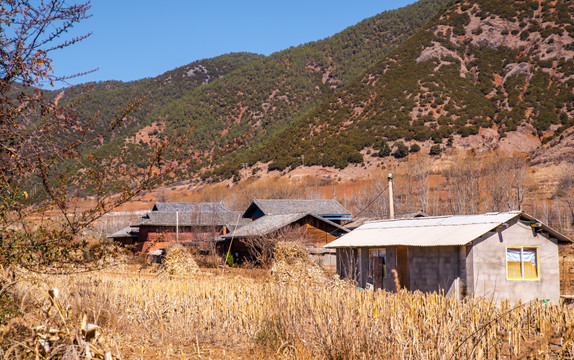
x=378, y=274
x=403, y=266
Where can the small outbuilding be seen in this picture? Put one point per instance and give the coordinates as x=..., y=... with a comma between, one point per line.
x=507, y=255
x=126, y=236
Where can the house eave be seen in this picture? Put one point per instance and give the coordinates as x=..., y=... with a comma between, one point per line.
x=433, y=231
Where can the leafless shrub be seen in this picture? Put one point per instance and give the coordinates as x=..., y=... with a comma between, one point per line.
x=162, y=195
x=261, y=248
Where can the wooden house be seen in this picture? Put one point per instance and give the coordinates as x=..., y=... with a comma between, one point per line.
x=310, y=229
x=508, y=255
x=159, y=229
x=327, y=209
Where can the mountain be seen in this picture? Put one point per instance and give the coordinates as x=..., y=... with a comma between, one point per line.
x=477, y=75
x=217, y=118
x=103, y=99
x=482, y=69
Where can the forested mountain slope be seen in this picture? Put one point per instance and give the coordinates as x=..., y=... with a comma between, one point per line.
x=482, y=64
x=250, y=105
x=218, y=120
x=105, y=98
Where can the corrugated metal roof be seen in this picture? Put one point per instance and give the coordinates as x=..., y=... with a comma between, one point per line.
x=429, y=231
x=417, y=236
x=454, y=220
x=363, y=220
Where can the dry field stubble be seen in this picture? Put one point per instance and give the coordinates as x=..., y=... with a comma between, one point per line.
x=218, y=315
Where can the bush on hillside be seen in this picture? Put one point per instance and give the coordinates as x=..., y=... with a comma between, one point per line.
x=435, y=150
x=401, y=150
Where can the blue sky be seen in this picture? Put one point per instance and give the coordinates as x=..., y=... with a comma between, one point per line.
x=137, y=39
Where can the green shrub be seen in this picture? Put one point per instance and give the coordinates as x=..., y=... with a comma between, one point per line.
x=384, y=149
x=401, y=150
x=468, y=130
x=435, y=150
x=524, y=35
x=355, y=158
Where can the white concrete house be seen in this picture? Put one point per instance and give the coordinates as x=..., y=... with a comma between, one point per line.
x=507, y=255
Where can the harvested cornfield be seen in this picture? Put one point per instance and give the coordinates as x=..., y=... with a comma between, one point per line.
x=178, y=260
x=51, y=332
x=292, y=264
x=225, y=315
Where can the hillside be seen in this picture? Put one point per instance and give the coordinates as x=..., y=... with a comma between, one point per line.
x=258, y=98
x=495, y=72
x=474, y=77
x=254, y=103
x=103, y=99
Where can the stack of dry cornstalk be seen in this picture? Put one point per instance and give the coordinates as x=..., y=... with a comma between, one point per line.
x=59, y=338
x=178, y=261
x=292, y=264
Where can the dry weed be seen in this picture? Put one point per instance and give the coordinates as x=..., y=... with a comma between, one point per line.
x=51, y=333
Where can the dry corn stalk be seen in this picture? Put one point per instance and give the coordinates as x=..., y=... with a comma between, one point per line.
x=59, y=338
x=178, y=261
x=322, y=322
x=292, y=264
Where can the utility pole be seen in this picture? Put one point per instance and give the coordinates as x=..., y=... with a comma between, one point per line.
x=303, y=159
x=391, y=200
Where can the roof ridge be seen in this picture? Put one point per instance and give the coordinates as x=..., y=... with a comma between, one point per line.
x=296, y=199
x=515, y=212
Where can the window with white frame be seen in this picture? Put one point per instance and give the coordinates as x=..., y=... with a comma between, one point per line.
x=522, y=263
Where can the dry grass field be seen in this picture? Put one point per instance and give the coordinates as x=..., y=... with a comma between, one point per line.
x=566, y=258
x=249, y=314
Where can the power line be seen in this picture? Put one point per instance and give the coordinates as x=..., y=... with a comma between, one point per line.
x=372, y=201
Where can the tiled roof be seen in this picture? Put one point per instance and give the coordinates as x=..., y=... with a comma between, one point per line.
x=128, y=231
x=161, y=218
x=281, y=207
x=189, y=206
x=270, y=223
